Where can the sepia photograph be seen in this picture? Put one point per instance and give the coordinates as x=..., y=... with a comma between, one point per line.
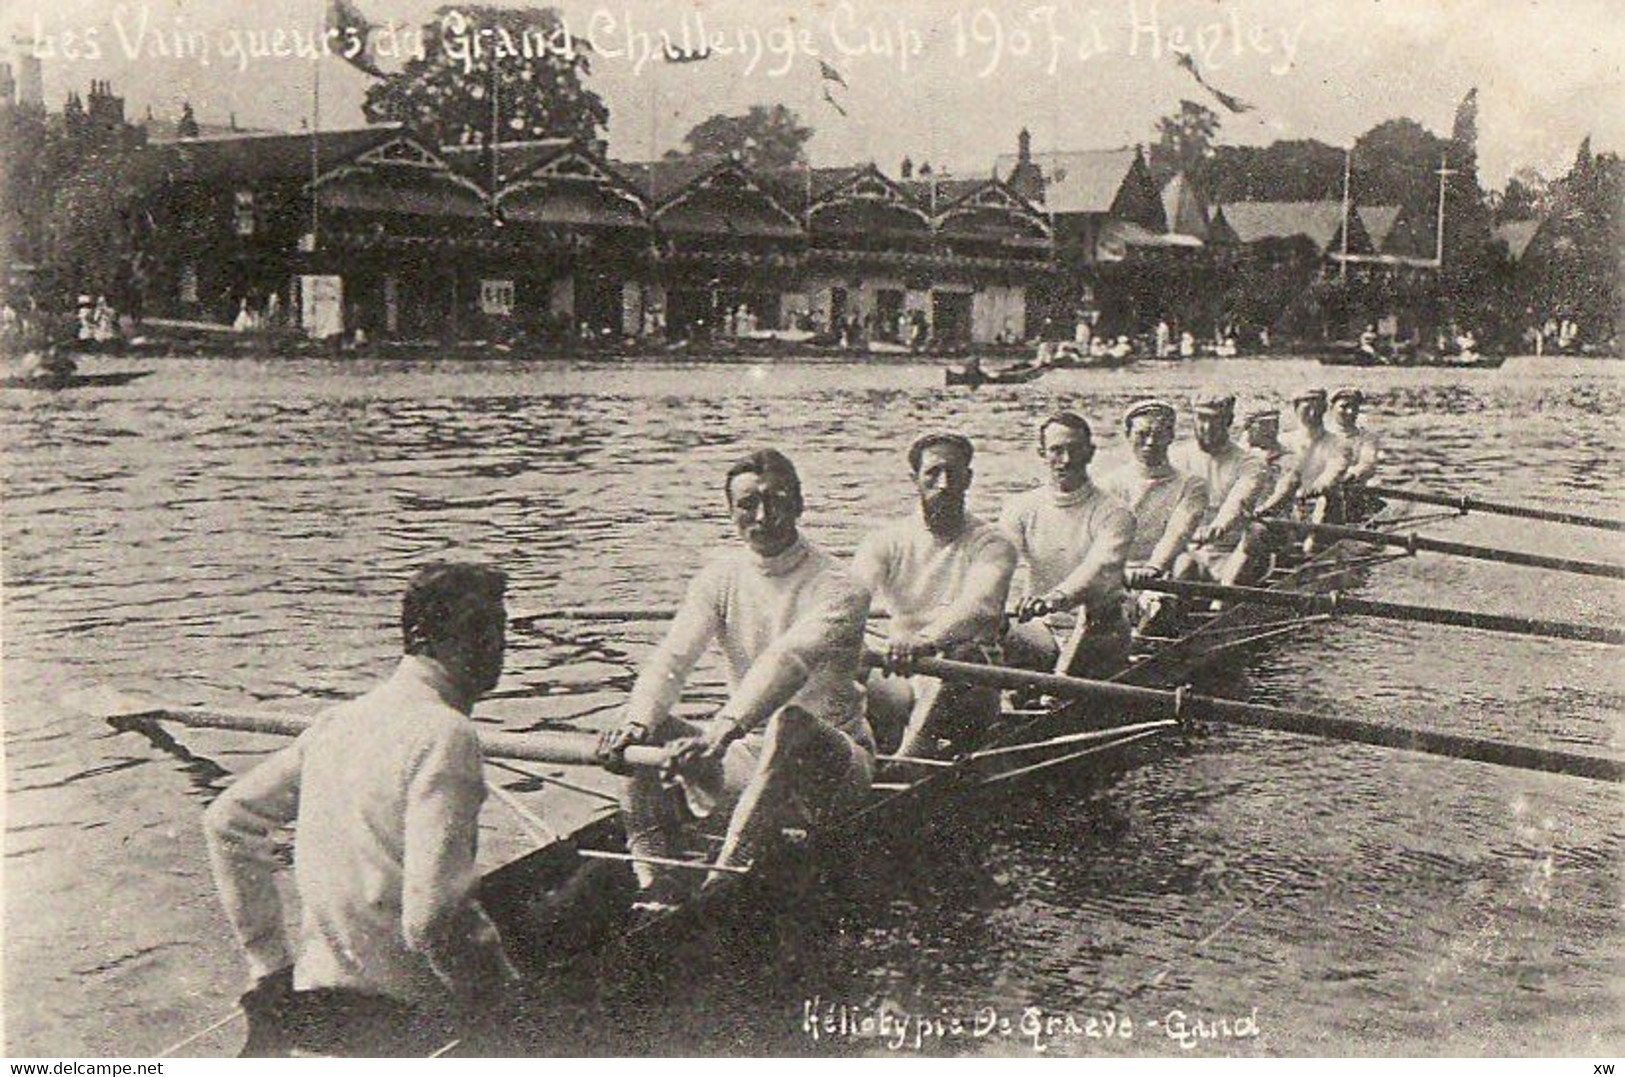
x=830, y=529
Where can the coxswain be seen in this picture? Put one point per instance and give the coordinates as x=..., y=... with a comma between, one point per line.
x=394, y=951
x=1074, y=540
x=1362, y=448
x=943, y=575
x=1235, y=479
x=1321, y=458
x=1167, y=504
x=792, y=737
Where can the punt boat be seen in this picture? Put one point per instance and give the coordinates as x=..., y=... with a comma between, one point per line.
x=58, y=382
x=567, y=904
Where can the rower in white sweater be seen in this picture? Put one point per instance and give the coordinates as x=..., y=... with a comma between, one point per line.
x=792, y=736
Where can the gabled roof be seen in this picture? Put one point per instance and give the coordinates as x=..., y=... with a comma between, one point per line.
x=256, y=158
x=663, y=179
x=1184, y=207
x=1320, y=222
x=991, y=198
x=1077, y=181
x=1379, y=223
x=798, y=187
x=726, y=198
x=514, y=159
x=1517, y=235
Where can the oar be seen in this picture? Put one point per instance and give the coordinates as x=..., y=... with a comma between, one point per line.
x=1177, y=704
x=1417, y=543
x=1336, y=603
x=560, y=748
x=1496, y=508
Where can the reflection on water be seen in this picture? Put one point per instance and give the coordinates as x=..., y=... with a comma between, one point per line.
x=239, y=532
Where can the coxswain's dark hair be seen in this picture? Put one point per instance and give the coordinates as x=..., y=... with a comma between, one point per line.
x=764, y=462
x=1069, y=419
x=439, y=593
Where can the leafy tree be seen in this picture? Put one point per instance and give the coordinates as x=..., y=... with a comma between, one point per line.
x=1184, y=140
x=1297, y=170
x=766, y=137
x=1521, y=199
x=446, y=93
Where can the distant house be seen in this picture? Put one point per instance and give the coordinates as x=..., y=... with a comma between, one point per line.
x=1518, y=236
x=1089, y=195
x=1316, y=227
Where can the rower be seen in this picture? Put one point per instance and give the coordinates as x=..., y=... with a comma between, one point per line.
x=1321, y=457
x=394, y=948
x=1235, y=478
x=943, y=575
x=1362, y=447
x=788, y=619
x=1167, y=504
x=1075, y=540
x=1261, y=429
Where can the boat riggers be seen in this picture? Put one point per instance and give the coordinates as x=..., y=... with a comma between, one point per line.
x=1336, y=603
x=1418, y=544
x=1186, y=705
x=1465, y=505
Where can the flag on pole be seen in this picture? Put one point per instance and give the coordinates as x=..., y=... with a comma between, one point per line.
x=829, y=74
x=1229, y=101
x=834, y=104
x=351, y=34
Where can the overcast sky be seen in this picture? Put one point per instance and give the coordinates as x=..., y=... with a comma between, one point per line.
x=945, y=80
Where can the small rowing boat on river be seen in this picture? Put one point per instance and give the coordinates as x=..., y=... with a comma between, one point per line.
x=57, y=382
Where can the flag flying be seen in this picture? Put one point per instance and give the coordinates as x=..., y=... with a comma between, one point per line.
x=350, y=34
x=829, y=74
x=1229, y=101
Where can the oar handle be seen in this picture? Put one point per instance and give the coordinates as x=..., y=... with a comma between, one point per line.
x=565, y=749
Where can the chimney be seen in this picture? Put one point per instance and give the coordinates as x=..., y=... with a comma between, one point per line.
x=1024, y=146
x=906, y=169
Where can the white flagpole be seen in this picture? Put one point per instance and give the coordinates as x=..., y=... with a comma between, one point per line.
x=315, y=128
x=1348, y=173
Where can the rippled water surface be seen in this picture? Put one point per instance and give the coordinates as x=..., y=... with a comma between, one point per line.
x=238, y=533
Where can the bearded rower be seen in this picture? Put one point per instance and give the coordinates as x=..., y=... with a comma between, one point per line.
x=789, y=620
x=1235, y=478
x=944, y=575
x=1075, y=540
x=1167, y=504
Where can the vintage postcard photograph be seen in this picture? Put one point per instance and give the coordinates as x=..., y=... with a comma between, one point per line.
x=812, y=529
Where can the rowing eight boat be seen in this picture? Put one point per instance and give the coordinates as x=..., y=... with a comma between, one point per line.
x=568, y=903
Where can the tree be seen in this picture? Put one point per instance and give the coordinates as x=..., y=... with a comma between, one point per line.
x=525, y=56
x=1184, y=140
x=1522, y=199
x=1468, y=229
x=766, y=137
x=1299, y=170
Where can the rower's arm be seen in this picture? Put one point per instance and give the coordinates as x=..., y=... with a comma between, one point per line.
x=1182, y=524
x=440, y=917
x=829, y=630
x=660, y=682
x=239, y=826
x=1286, y=485
x=979, y=609
x=1244, y=491
x=1365, y=460
x=1099, y=575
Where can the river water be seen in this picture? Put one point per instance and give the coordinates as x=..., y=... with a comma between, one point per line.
x=237, y=532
